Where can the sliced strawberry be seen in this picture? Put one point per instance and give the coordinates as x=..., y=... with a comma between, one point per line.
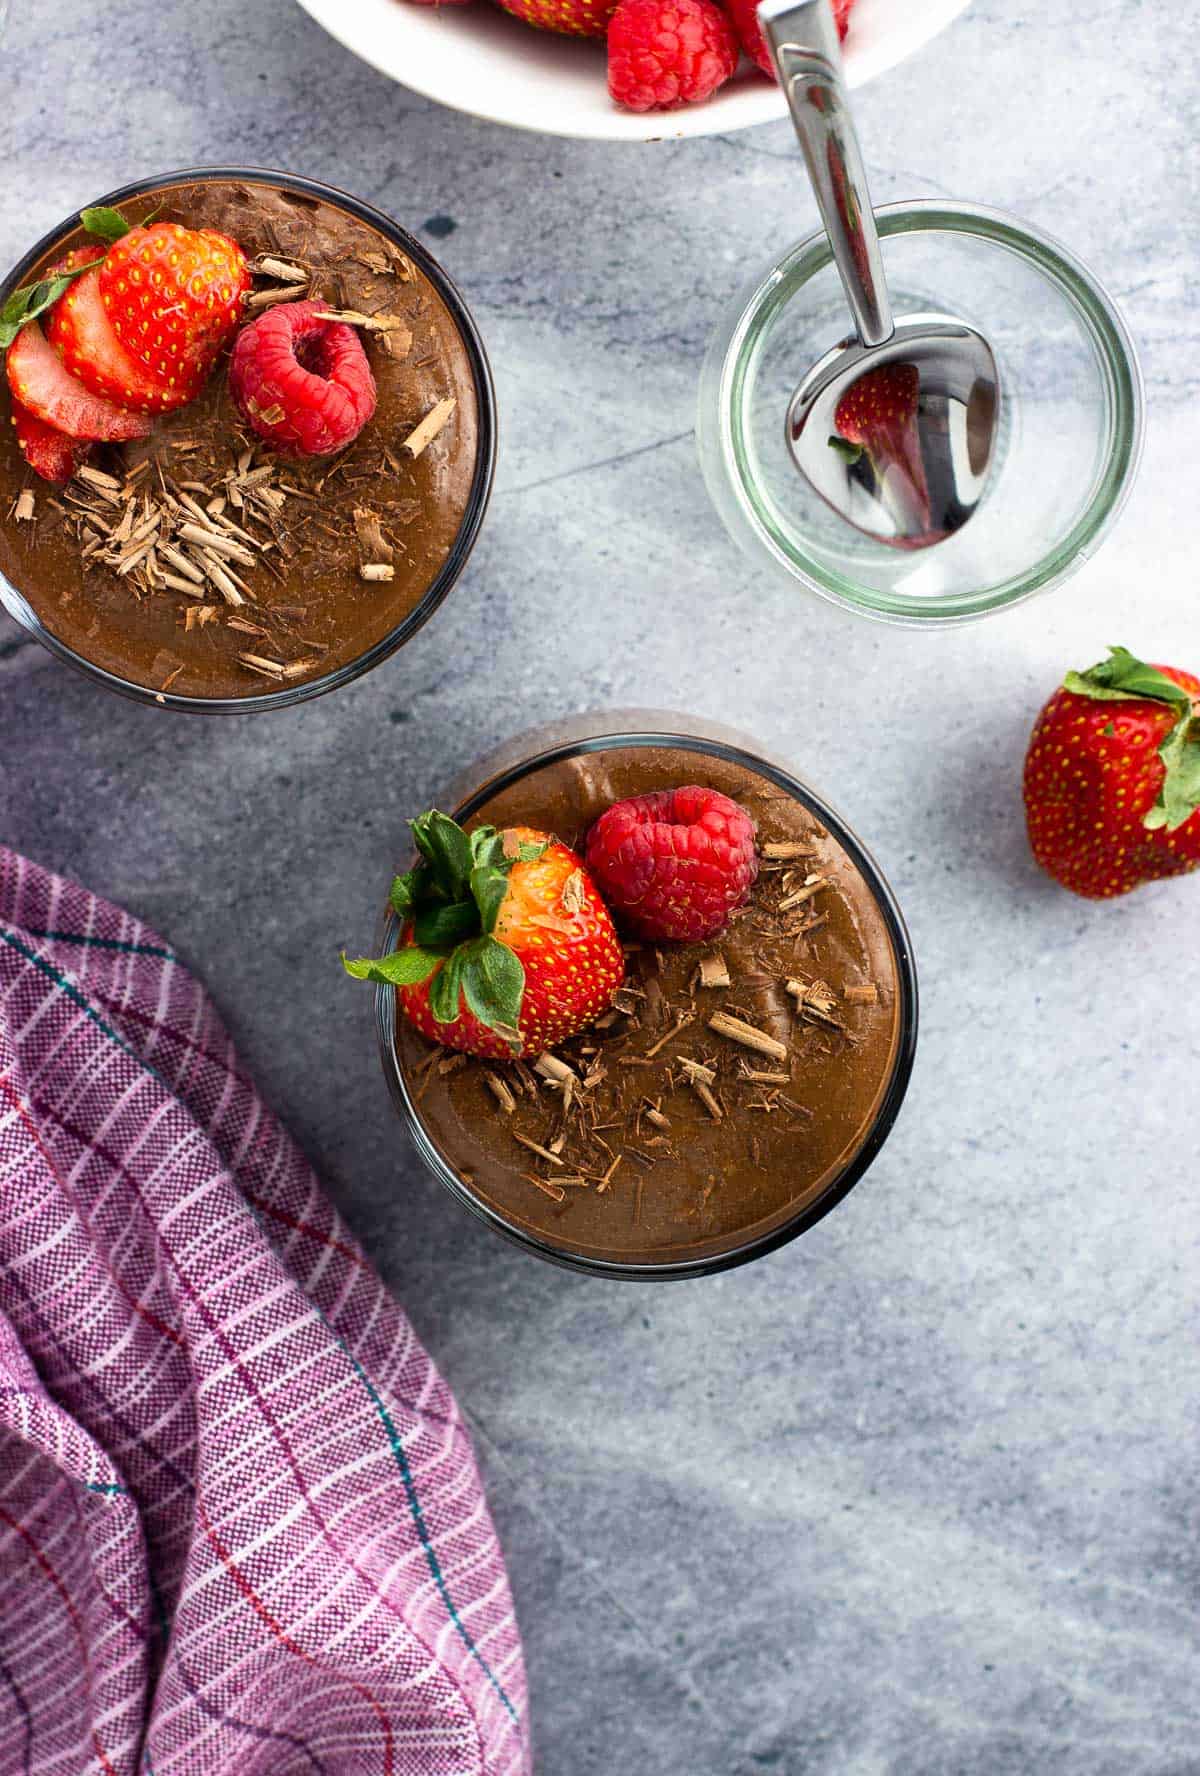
x=41, y=381
x=53, y=455
x=82, y=334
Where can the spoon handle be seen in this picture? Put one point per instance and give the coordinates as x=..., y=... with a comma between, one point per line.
x=803, y=40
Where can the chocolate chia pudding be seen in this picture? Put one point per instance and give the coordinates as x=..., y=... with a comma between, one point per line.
x=328, y=562
x=735, y=1088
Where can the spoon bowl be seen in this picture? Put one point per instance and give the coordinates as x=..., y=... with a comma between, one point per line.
x=896, y=426
x=929, y=483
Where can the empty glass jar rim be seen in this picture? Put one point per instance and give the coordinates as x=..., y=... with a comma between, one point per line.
x=723, y=414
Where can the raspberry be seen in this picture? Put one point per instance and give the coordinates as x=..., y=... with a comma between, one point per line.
x=675, y=863
x=663, y=53
x=744, y=14
x=302, y=383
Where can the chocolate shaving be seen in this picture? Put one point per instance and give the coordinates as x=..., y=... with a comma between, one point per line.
x=261, y=299
x=813, y=885
x=555, y=1191
x=373, y=546
x=713, y=971
x=574, y=894
x=682, y=1020
x=282, y=270
x=737, y=1030
x=536, y=1147
x=423, y=434
x=551, y=1068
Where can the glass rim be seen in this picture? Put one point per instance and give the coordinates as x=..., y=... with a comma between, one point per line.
x=18, y=606
x=740, y=1251
x=721, y=416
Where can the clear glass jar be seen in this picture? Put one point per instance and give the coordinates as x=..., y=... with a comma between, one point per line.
x=481, y=486
x=577, y=737
x=1071, y=421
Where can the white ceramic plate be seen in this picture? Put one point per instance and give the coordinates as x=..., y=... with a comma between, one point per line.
x=480, y=59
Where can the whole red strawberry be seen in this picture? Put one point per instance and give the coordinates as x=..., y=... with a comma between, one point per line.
x=578, y=18
x=1112, y=777
x=508, y=947
x=744, y=14
x=675, y=863
x=174, y=296
x=664, y=53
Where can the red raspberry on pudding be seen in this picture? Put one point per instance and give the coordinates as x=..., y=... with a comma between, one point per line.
x=675, y=863
x=300, y=382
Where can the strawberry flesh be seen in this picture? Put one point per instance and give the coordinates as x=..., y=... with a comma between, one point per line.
x=50, y=453
x=80, y=331
x=41, y=382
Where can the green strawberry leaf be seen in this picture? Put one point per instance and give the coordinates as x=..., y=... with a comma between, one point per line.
x=1125, y=678
x=489, y=886
x=445, y=989
x=446, y=849
x=1179, y=796
x=494, y=985
x=406, y=967
x=104, y=223
x=443, y=926
x=33, y=300
x=402, y=896
x=487, y=848
x=845, y=449
x=448, y=904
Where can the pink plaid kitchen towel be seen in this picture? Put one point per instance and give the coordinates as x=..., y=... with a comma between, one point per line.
x=241, y=1526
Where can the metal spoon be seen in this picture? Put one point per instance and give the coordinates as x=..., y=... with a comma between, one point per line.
x=896, y=428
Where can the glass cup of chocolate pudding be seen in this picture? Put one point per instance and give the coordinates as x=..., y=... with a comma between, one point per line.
x=330, y=563
x=735, y=1090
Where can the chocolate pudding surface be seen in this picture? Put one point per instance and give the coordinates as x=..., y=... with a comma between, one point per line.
x=307, y=611
x=647, y=1173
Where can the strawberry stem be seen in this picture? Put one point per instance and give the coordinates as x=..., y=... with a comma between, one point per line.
x=449, y=903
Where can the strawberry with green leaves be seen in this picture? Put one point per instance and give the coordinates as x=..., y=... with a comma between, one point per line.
x=133, y=323
x=507, y=946
x=1112, y=777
